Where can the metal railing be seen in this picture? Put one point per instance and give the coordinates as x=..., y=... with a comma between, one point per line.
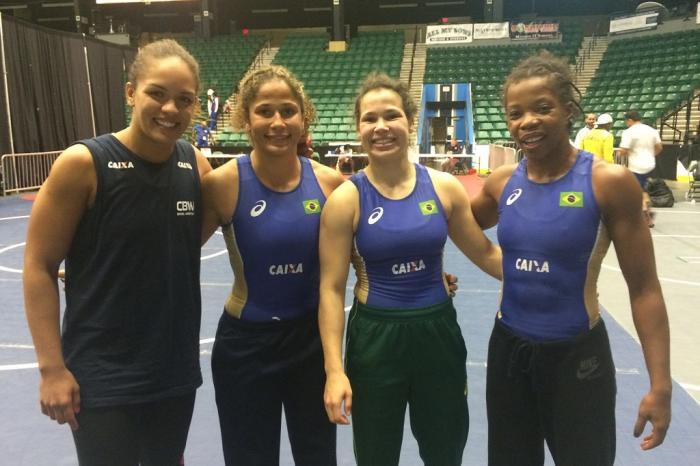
x=674, y=120
x=413, y=56
x=25, y=172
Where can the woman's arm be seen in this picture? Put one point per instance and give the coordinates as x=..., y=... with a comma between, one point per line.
x=203, y=165
x=620, y=198
x=338, y=221
x=484, y=204
x=59, y=206
x=219, y=196
x=463, y=228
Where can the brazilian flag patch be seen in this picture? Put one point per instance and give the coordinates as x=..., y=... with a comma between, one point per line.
x=312, y=206
x=428, y=207
x=571, y=199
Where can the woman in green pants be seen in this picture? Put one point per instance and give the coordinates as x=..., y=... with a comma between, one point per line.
x=404, y=346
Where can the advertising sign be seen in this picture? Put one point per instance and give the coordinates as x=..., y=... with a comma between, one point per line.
x=534, y=30
x=634, y=23
x=449, y=34
x=491, y=31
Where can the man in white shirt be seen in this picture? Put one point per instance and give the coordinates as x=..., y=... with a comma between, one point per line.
x=590, y=123
x=641, y=144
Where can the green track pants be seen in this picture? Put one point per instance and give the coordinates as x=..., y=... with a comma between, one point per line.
x=398, y=357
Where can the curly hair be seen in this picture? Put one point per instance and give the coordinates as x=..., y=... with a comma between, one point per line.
x=161, y=49
x=377, y=80
x=556, y=71
x=250, y=85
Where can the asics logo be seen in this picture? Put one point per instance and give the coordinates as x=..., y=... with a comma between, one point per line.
x=375, y=215
x=258, y=208
x=514, y=196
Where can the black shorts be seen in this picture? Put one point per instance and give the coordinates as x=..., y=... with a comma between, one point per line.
x=561, y=392
x=146, y=434
x=260, y=369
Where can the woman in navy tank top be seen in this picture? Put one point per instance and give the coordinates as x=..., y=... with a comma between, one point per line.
x=267, y=355
x=123, y=209
x=550, y=376
x=404, y=345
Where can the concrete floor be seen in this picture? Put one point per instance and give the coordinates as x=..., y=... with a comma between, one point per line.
x=676, y=237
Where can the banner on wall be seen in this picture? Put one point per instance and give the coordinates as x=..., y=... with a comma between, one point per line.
x=634, y=23
x=449, y=34
x=534, y=30
x=491, y=31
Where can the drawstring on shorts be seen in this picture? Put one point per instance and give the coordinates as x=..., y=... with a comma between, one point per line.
x=523, y=357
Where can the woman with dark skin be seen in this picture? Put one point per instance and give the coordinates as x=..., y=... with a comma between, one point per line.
x=550, y=373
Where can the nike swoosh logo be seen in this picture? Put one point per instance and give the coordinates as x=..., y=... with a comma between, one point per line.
x=588, y=370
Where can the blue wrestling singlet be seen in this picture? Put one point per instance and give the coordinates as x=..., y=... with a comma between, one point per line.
x=553, y=243
x=398, y=246
x=273, y=247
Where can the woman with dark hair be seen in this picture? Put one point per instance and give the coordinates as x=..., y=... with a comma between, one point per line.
x=404, y=345
x=124, y=211
x=550, y=373
x=267, y=355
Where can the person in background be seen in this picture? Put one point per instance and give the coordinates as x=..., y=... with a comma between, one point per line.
x=404, y=345
x=550, y=373
x=641, y=143
x=455, y=147
x=599, y=141
x=124, y=210
x=449, y=163
x=590, y=124
x=306, y=149
x=212, y=108
x=202, y=134
x=344, y=163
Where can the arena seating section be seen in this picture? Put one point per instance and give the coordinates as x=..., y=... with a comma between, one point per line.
x=654, y=75
x=332, y=80
x=223, y=60
x=486, y=67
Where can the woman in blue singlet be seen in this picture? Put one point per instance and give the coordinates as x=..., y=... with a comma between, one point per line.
x=123, y=209
x=267, y=355
x=550, y=373
x=404, y=345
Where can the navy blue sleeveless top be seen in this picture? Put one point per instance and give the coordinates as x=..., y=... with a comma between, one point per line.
x=553, y=243
x=398, y=246
x=131, y=325
x=272, y=242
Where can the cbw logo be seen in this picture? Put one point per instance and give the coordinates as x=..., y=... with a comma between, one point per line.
x=184, y=165
x=184, y=208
